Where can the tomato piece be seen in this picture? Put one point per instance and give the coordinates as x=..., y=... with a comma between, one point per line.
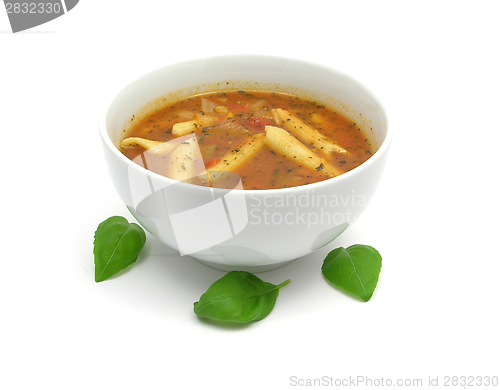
x=257, y=123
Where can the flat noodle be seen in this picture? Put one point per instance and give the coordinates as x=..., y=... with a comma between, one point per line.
x=143, y=142
x=155, y=147
x=182, y=161
x=241, y=154
x=184, y=128
x=286, y=145
x=306, y=133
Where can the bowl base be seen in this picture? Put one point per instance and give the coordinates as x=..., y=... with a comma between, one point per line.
x=253, y=269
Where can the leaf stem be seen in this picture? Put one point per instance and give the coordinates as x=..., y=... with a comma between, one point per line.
x=283, y=284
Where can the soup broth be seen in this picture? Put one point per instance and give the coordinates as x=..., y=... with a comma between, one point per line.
x=270, y=139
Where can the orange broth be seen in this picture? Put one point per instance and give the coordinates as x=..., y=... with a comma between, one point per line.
x=234, y=116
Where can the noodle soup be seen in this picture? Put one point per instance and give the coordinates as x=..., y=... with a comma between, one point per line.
x=270, y=139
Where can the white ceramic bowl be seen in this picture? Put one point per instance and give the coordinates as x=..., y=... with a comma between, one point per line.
x=254, y=230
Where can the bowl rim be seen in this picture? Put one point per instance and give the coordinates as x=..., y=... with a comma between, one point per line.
x=382, y=148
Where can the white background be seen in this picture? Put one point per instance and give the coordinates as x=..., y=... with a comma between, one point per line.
x=434, y=65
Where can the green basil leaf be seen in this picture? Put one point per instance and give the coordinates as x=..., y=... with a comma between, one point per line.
x=355, y=269
x=238, y=296
x=117, y=244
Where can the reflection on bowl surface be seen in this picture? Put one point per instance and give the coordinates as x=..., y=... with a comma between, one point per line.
x=220, y=221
